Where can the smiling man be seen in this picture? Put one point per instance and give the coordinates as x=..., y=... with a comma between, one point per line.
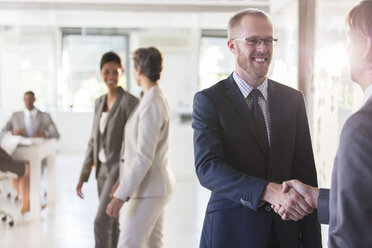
x=250, y=134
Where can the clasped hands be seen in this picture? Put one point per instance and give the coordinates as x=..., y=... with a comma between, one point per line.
x=293, y=200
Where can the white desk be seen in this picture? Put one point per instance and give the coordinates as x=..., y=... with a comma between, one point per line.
x=34, y=154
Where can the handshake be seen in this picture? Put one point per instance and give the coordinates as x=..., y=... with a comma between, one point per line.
x=293, y=200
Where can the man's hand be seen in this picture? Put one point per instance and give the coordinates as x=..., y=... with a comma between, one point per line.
x=113, y=208
x=309, y=193
x=294, y=204
x=19, y=132
x=39, y=135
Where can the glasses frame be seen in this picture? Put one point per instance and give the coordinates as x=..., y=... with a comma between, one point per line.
x=266, y=41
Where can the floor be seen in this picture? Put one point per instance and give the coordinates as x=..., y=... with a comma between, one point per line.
x=69, y=222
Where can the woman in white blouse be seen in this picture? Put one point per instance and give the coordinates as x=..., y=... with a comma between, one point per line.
x=146, y=180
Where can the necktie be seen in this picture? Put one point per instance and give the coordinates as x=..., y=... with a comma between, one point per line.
x=252, y=101
x=30, y=125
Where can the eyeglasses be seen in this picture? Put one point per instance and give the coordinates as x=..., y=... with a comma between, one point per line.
x=257, y=41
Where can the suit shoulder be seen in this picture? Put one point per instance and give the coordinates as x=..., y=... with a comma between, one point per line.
x=360, y=119
x=100, y=99
x=214, y=89
x=284, y=88
x=129, y=97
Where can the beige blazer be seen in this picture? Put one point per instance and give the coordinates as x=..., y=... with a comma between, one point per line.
x=144, y=168
x=112, y=137
x=42, y=123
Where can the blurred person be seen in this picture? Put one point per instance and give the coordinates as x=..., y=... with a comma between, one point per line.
x=111, y=113
x=146, y=180
x=251, y=134
x=347, y=206
x=22, y=182
x=31, y=122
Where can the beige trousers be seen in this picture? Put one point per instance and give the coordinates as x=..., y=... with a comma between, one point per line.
x=141, y=222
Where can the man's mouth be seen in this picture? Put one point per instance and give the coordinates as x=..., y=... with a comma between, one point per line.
x=259, y=59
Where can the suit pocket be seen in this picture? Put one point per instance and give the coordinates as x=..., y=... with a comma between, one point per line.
x=222, y=205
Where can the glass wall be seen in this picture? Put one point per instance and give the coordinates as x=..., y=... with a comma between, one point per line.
x=81, y=80
x=216, y=62
x=333, y=97
x=28, y=62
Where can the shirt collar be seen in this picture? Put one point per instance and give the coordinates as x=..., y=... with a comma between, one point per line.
x=246, y=88
x=32, y=112
x=367, y=94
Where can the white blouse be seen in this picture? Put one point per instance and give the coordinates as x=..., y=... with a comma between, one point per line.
x=102, y=126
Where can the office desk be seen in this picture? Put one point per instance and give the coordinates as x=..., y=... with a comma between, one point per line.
x=34, y=154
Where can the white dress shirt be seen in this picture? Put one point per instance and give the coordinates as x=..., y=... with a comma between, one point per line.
x=367, y=94
x=30, y=121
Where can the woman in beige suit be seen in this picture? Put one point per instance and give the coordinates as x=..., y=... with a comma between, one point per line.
x=112, y=111
x=146, y=179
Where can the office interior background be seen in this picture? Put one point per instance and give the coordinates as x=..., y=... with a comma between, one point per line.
x=53, y=47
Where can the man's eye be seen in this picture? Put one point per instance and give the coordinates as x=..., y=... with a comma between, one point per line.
x=252, y=41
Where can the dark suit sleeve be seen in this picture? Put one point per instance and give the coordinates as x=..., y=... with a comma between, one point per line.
x=304, y=170
x=213, y=171
x=350, y=197
x=323, y=206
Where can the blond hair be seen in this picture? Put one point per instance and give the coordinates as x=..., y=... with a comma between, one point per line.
x=360, y=18
x=235, y=19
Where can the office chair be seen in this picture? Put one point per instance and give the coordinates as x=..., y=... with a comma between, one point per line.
x=5, y=216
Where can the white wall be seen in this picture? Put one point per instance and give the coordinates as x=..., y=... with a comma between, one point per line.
x=177, y=35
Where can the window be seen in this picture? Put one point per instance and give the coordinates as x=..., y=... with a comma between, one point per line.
x=80, y=74
x=216, y=61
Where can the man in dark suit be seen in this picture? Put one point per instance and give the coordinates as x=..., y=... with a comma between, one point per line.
x=250, y=134
x=347, y=206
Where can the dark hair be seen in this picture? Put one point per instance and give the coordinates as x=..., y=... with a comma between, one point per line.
x=360, y=18
x=30, y=93
x=150, y=61
x=110, y=57
x=235, y=19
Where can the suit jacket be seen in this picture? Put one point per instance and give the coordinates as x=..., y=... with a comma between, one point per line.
x=113, y=135
x=144, y=167
x=8, y=164
x=350, y=202
x=42, y=123
x=231, y=161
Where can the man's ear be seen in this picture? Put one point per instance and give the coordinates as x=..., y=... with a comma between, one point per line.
x=368, y=49
x=231, y=46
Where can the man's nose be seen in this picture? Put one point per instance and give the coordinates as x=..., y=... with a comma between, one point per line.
x=261, y=47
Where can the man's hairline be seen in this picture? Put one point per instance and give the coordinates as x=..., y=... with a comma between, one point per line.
x=264, y=17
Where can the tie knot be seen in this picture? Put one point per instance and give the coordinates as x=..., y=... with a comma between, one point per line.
x=256, y=92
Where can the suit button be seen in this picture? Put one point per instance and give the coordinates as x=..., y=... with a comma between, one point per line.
x=268, y=208
x=122, y=160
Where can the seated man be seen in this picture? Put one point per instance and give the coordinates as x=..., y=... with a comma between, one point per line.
x=22, y=183
x=31, y=122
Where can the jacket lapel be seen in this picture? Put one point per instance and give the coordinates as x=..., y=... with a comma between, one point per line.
x=274, y=108
x=114, y=107
x=238, y=101
x=37, y=121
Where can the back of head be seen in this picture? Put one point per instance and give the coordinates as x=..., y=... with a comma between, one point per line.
x=110, y=57
x=150, y=61
x=235, y=20
x=359, y=18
